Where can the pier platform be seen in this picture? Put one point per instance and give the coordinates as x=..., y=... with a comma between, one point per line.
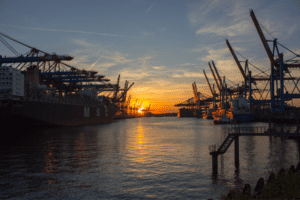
x=289, y=116
x=234, y=133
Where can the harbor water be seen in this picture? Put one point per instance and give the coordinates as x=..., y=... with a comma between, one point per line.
x=139, y=158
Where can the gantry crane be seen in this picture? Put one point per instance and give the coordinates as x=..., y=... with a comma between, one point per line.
x=240, y=67
x=197, y=100
x=245, y=74
x=219, y=85
x=219, y=88
x=146, y=111
x=213, y=92
x=120, y=99
x=222, y=92
x=279, y=68
x=217, y=73
x=52, y=71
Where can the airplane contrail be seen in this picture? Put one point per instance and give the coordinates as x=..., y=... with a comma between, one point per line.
x=70, y=31
x=94, y=63
x=149, y=8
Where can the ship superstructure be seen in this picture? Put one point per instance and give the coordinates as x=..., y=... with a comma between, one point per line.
x=240, y=110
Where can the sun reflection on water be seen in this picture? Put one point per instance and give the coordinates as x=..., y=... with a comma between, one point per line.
x=140, y=136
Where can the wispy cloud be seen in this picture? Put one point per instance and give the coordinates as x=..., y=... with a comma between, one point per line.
x=91, y=50
x=67, y=31
x=85, y=44
x=111, y=63
x=163, y=29
x=198, y=12
x=133, y=74
x=292, y=29
x=145, y=34
x=215, y=54
x=159, y=67
x=188, y=64
x=186, y=74
x=233, y=30
x=238, y=9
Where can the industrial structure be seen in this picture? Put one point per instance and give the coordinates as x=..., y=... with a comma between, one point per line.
x=271, y=99
x=195, y=106
x=40, y=87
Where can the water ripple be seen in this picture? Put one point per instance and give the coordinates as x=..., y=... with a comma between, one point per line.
x=146, y=158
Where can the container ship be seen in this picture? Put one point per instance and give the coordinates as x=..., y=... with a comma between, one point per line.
x=240, y=110
x=208, y=114
x=22, y=99
x=39, y=89
x=185, y=112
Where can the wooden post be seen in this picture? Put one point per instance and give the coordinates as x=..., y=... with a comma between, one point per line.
x=270, y=122
x=297, y=121
x=236, y=151
x=215, y=162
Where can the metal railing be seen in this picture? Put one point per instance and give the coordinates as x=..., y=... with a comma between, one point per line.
x=262, y=130
x=213, y=148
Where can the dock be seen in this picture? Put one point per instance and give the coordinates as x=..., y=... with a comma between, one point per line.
x=234, y=133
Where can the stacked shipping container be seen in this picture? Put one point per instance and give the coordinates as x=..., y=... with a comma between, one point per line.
x=12, y=80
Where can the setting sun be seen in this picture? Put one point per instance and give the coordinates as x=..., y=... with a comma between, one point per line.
x=140, y=110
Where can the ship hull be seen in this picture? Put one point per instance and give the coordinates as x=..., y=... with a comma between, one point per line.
x=243, y=118
x=205, y=116
x=218, y=114
x=56, y=114
x=225, y=122
x=183, y=112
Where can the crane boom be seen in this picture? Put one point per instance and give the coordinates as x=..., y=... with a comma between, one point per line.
x=236, y=60
x=208, y=83
x=34, y=59
x=128, y=100
x=214, y=77
x=217, y=75
x=195, y=92
x=22, y=43
x=130, y=86
x=117, y=89
x=122, y=97
x=262, y=37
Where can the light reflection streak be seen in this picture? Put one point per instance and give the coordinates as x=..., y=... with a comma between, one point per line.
x=50, y=164
x=49, y=157
x=79, y=149
x=140, y=148
x=140, y=136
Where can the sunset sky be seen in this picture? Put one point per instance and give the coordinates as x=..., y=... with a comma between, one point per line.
x=160, y=45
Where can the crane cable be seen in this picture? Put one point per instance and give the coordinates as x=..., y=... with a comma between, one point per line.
x=265, y=29
x=296, y=55
x=8, y=46
x=250, y=63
